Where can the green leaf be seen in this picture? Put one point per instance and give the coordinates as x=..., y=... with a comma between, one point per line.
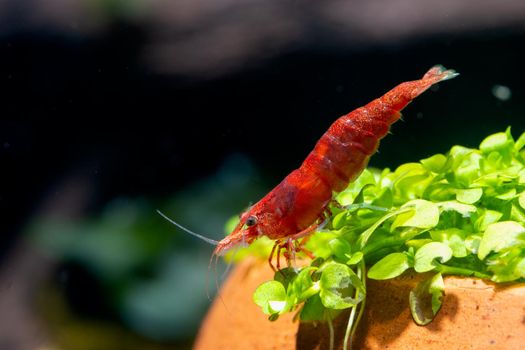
x=521, y=198
x=349, y=195
x=487, y=218
x=338, y=286
x=426, y=298
x=469, y=196
x=517, y=213
x=411, y=181
x=384, y=198
x=303, y=287
x=417, y=243
x=520, y=143
x=436, y=163
x=285, y=276
x=506, y=266
x=365, y=236
x=271, y=297
x=464, y=209
x=355, y=258
x=466, y=166
x=318, y=243
x=313, y=310
x=507, y=195
x=425, y=214
x=340, y=220
x=472, y=243
x=520, y=267
x=440, y=191
x=340, y=247
x=454, y=238
x=496, y=142
x=424, y=258
x=499, y=236
x=390, y=266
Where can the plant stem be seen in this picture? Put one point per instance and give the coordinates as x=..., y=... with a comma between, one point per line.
x=389, y=242
x=362, y=274
x=365, y=206
x=331, y=331
x=453, y=270
x=349, y=326
x=363, y=238
x=385, y=243
x=353, y=322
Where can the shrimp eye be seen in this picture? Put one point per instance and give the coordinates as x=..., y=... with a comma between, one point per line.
x=252, y=220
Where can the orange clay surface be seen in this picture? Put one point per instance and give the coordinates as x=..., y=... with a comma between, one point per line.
x=475, y=315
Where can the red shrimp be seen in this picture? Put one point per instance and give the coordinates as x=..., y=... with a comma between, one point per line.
x=299, y=204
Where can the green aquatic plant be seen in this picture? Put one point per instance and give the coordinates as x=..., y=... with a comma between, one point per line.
x=462, y=213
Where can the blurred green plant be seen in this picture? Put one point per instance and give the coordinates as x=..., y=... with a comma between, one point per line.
x=462, y=213
x=141, y=267
x=151, y=275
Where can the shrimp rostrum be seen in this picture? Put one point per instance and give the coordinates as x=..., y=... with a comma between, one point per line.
x=299, y=204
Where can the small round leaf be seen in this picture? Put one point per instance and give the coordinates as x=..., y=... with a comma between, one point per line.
x=424, y=258
x=469, y=196
x=499, y=236
x=426, y=298
x=390, y=266
x=338, y=286
x=271, y=297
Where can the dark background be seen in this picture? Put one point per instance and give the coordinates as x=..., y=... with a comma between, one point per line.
x=86, y=104
x=131, y=105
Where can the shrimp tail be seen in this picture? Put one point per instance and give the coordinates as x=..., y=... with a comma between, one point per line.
x=397, y=98
x=440, y=73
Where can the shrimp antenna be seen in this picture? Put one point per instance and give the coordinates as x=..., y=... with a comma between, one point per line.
x=205, y=239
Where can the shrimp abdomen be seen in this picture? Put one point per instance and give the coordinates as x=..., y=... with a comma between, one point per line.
x=344, y=150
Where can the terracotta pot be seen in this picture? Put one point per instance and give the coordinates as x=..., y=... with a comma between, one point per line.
x=475, y=315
